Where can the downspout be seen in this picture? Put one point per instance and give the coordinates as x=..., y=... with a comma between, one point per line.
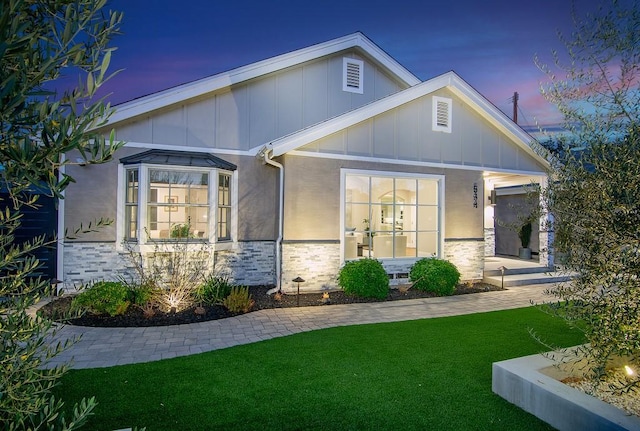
x=266, y=159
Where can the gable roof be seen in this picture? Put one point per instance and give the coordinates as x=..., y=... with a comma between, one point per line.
x=203, y=86
x=449, y=80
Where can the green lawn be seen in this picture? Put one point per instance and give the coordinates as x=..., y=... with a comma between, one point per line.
x=432, y=374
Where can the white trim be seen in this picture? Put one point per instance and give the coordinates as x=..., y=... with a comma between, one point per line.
x=395, y=174
x=142, y=244
x=348, y=69
x=60, y=233
x=120, y=194
x=447, y=80
x=437, y=114
x=197, y=88
x=334, y=156
x=251, y=152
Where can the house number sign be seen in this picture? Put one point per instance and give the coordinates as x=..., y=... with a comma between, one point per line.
x=475, y=195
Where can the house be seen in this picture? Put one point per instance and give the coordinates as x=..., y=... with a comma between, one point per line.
x=293, y=165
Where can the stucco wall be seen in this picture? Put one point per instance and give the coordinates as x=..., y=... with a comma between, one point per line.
x=94, y=196
x=312, y=197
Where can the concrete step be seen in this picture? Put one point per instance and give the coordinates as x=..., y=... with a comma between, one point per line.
x=527, y=279
x=519, y=270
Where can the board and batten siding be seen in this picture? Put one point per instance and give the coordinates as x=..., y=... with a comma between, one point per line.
x=255, y=112
x=405, y=133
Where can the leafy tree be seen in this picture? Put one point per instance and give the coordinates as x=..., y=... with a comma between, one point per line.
x=41, y=41
x=594, y=187
x=595, y=83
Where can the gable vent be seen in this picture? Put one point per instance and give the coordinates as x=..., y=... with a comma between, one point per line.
x=441, y=114
x=352, y=71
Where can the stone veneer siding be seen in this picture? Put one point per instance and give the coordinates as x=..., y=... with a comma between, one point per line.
x=489, y=242
x=250, y=263
x=253, y=263
x=85, y=262
x=318, y=263
x=547, y=255
x=467, y=255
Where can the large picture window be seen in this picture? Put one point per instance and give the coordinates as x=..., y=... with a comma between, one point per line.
x=388, y=216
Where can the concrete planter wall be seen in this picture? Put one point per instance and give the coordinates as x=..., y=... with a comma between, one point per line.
x=529, y=382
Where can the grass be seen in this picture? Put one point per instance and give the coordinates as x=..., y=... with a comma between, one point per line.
x=432, y=374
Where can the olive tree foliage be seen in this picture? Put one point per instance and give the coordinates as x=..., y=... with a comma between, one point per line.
x=41, y=41
x=593, y=191
x=594, y=82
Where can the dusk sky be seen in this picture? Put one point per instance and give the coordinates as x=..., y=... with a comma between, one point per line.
x=491, y=44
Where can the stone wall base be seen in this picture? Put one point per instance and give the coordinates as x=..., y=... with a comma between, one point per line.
x=253, y=263
x=467, y=255
x=249, y=263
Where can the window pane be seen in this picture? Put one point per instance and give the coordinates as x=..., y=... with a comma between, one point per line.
x=178, y=203
x=131, y=207
x=224, y=222
x=427, y=244
x=427, y=192
x=224, y=207
x=199, y=221
x=355, y=216
x=357, y=189
x=131, y=222
x=132, y=186
x=427, y=218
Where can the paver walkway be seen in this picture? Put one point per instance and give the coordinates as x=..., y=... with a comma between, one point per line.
x=104, y=347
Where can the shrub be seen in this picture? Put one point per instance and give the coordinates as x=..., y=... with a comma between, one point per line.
x=365, y=278
x=213, y=291
x=111, y=297
x=435, y=275
x=239, y=300
x=141, y=294
x=172, y=271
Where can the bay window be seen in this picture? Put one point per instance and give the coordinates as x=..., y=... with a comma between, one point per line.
x=167, y=202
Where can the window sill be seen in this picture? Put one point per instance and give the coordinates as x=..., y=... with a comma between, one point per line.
x=174, y=245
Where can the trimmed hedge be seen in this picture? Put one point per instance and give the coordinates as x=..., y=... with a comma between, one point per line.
x=435, y=275
x=365, y=278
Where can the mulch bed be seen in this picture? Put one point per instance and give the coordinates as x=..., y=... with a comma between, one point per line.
x=135, y=317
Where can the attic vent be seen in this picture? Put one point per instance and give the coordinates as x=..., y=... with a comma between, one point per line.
x=352, y=71
x=441, y=114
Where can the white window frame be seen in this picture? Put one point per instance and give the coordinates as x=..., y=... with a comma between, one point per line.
x=346, y=61
x=437, y=127
x=388, y=174
x=143, y=244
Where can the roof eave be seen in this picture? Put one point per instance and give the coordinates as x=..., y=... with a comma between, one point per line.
x=203, y=86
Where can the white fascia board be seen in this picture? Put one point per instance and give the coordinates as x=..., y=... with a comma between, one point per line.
x=498, y=118
x=226, y=79
x=438, y=165
x=146, y=145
